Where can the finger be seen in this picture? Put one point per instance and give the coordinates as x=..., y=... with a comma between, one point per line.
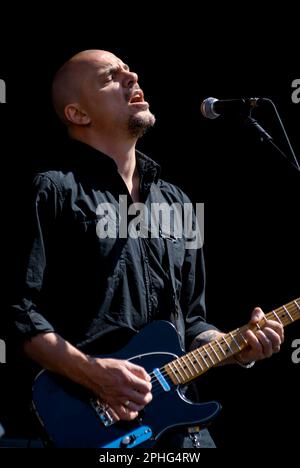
x=266, y=343
x=255, y=345
x=138, y=371
x=127, y=393
x=125, y=413
x=138, y=384
x=277, y=327
x=139, y=398
x=273, y=337
x=134, y=407
x=120, y=412
x=256, y=315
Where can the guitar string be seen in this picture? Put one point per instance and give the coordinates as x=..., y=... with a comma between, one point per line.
x=157, y=388
x=156, y=385
x=235, y=333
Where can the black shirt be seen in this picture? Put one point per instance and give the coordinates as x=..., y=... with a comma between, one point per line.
x=93, y=290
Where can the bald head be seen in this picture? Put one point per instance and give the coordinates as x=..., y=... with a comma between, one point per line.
x=72, y=77
x=92, y=95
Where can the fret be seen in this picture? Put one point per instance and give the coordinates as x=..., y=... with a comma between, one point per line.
x=191, y=361
x=198, y=362
x=203, y=358
x=208, y=354
x=221, y=348
x=281, y=316
x=176, y=371
x=213, y=349
x=246, y=342
x=184, y=359
x=228, y=346
x=178, y=361
x=291, y=318
x=233, y=338
x=277, y=318
x=168, y=369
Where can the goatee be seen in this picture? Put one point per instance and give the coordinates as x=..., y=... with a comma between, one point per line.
x=139, y=124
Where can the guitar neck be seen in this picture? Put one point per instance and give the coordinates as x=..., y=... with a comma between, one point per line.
x=196, y=362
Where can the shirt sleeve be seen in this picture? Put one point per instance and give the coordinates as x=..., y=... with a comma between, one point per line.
x=26, y=317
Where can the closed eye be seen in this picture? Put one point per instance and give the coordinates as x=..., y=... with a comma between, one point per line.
x=111, y=73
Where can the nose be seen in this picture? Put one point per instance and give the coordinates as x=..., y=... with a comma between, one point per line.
x=130, y=79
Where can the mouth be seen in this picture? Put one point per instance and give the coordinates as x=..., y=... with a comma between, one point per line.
x=137, y=98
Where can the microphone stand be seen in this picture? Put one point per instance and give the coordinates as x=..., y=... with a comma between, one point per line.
x=266, y=138
x=1, y=430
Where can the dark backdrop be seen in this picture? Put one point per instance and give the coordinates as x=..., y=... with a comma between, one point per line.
x=251, y=193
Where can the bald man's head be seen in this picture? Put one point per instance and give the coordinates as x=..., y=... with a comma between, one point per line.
x=72, y=77
x=96, y=94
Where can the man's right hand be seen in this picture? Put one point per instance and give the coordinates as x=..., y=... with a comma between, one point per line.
x=124, y=387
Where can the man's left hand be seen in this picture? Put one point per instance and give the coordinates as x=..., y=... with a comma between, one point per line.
x=264, y=342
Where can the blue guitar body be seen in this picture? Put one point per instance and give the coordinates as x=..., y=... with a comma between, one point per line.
x=71, y=417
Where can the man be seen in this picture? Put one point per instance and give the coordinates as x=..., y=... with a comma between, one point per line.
x=83, y=291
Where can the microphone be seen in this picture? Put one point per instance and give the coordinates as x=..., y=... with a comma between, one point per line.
x=211, y=108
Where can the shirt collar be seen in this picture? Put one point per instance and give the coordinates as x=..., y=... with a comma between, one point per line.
x=90, y=159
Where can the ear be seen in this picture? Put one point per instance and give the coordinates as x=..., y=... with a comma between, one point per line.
x=76, y=115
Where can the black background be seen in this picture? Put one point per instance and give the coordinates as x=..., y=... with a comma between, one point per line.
x=251, y=193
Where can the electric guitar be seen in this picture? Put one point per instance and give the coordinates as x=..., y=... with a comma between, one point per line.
x=72, y=417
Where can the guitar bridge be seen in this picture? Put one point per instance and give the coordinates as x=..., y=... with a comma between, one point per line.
x=102, y=412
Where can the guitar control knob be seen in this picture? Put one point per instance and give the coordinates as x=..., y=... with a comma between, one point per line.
x=125, y=441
